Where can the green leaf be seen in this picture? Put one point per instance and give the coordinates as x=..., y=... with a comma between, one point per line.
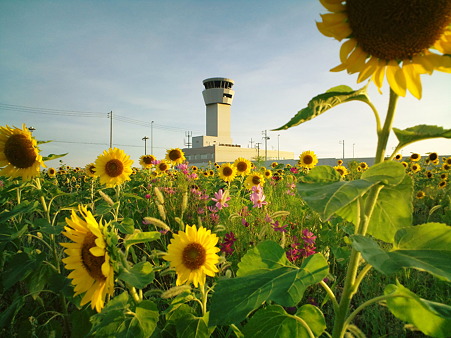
x=389, y=172
x=144, y=321
x=321, y=174
x=265, y=256
x=429, y=236
x=190, y=326
x=273, y=321
x=23, y=208
x=9, y=234
x=436, y=262
x=235, y=298
x=420, y=132
x=142, y=237
x=433, y=319
x=328, y=198
x=10, y=311
x=19, y=267
x=139, y=276
x=53, y=157
x=323, y=102
x=126, y=226
x=393, y=210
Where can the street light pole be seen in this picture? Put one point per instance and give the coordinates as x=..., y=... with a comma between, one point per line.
x=343, y=142
x=278, y=148
x=151, y=137
x=145, y=138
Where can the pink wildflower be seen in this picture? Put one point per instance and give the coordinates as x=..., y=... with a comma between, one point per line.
x=221, y=198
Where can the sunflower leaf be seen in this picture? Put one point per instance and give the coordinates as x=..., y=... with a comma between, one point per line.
x=235, y=298
x=53, y=157
x=141, y=237
x=323, y=102
x=139, y=276
x=420, y=132
x=433, y=319
x=274, y=321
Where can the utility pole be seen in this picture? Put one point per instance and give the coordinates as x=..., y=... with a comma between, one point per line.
x=188, y=135
x=257, y=145
x=266, y=138
x=251, y=142
x=110, y=115
x=145, y=138
x=343, y=142
x=151, y=137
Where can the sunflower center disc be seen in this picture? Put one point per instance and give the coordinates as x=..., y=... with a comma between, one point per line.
x=241, y=166
x=19, y=151
x=397, y=29
x=163, y=167
x=114, y=168
x=193, y=256
x=308, y=159
x=227, y=171
x=256, y=180
x=174, y=155
x=147, y=160
x=93, y=264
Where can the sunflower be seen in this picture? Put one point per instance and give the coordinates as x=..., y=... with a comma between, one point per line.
x=267, y=173
x=253, y=180
x=442, y=184
x=114, y=167
x=433, y=157
x=274, y=164
x=51, y=172
x=339, y=162
x=343, y=171
x=175, y=156
x=147, y=161
x=227, y=172
x=19, y=153
x=193, y=255
x=363, y=165
x=90, y=170
x=447, y=160
x=446, y=166
x=163, y=166
x=390, y=38
x=194, y=168
x=444, y=176
x=415, y=157
x=405, y=164
x=398, y=157
x=88, y=257
x=243, y=166
x=429, y=174
x=307, y=159
x=420, y=194
x=415, y=167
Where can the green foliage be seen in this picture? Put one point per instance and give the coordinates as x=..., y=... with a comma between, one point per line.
x=420, y=132
x=270, y=280
x=323, y=102
x=431, y=318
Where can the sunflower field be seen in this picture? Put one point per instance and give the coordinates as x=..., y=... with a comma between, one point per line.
x=164, y=248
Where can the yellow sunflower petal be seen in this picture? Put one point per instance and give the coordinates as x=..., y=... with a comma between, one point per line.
x=413, y=80
x=396, y=78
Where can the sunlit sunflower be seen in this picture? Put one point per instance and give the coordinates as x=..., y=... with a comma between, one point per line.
x=147, y=161
x=88, y=258
x=193, y=255
x=307, y=159
x=175, y=156
x=363, y=165
x=194, y=168
x=405, y=164
x=442, y=184
x=206, y=173
x=227, y=172
x=398, y=157
x=274, y=164
x=433, y=157
x=90, y=170
x=163, y=166
x=19, y=153
x=253, y=180
x=267, y=173
x=51, y=172
x=446, y=166
x=243, y=166
x=342, y=170
x=390, y=38
x=444, y=176
x=420, y=194
x=113, y=167
x=415, y=157
x=448, y=160
x=429, y=174
x=415, y=167
x=339, y=162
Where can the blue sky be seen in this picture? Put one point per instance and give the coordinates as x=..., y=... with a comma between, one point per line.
x=145, y=61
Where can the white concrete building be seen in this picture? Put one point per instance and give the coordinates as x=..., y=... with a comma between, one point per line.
x=217, y=145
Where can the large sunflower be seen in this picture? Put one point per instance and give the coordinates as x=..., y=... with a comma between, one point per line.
x=147, y=161
x=227, y=172
x=175, y=156
x=193, y=255
x=114, y=167
x=390, y=38
x=243, y=166
x=307, y=159
x=19, y=153
x=88, y=258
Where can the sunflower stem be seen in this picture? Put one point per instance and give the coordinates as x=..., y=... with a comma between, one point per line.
x=204, y=298
x=385, y=132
